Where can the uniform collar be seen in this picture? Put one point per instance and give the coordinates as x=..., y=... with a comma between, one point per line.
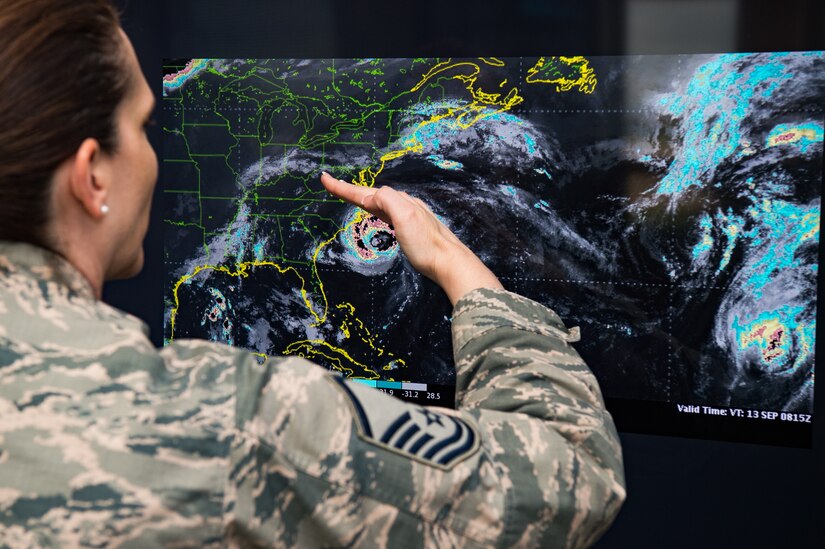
x=43, y=265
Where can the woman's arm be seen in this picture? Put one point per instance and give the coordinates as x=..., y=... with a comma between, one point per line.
x=530, y=457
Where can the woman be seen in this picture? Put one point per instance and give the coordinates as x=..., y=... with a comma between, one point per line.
x=106, y=440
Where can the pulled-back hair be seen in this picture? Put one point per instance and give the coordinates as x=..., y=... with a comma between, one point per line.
x=62, y=77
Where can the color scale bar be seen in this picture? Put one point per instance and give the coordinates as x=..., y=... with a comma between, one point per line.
x=393, y=385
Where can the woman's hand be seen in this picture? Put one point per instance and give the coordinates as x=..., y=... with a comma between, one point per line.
x=428, y=244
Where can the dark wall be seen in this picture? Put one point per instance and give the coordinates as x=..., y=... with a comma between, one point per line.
x=682, y=492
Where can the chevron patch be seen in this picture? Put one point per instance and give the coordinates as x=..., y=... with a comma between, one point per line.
x=426, y=435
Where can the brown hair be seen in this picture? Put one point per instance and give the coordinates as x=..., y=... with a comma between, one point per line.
x=62, y=77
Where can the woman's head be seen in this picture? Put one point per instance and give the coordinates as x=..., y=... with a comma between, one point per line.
x=70, y=85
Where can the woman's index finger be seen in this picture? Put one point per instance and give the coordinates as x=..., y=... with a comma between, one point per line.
x=353, y=194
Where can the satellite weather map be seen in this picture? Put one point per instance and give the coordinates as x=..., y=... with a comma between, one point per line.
x=668, y=205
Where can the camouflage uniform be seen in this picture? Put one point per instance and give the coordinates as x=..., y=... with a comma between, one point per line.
x=104, y=440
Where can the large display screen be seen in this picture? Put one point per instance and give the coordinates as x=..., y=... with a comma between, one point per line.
x=667, y=205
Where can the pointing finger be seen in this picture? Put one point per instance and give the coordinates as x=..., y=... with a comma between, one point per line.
x=354, y=194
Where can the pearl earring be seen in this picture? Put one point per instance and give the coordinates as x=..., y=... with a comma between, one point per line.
x=104, y=209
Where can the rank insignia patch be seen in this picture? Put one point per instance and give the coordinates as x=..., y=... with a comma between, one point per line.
x=429, y=436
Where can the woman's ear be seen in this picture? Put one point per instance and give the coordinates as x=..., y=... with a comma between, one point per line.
x=88, y=179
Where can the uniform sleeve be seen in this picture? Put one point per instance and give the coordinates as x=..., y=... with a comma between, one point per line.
x=530, y=458
x=541, y=409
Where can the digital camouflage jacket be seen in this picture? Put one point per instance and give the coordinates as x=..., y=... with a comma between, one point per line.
x=107, y=441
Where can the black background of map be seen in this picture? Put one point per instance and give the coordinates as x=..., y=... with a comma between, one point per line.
x=594, y=252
